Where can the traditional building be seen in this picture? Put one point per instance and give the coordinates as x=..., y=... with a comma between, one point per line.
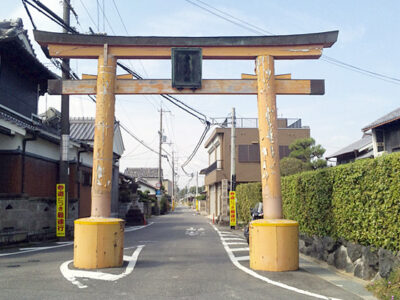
x=379, y=137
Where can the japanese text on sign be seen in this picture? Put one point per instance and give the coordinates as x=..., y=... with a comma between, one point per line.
x=60, y=213
x=232, y=208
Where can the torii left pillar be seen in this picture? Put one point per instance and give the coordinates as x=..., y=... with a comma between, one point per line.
x=99, y=239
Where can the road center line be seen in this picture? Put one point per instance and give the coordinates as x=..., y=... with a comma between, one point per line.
x=236, y=263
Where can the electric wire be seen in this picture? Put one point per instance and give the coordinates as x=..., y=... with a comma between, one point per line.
x=50, y=14
x=255, y=29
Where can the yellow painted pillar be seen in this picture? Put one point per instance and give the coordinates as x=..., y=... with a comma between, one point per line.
x=98, y=241
x=103, y=137
x=268, y=138
x=273, y=241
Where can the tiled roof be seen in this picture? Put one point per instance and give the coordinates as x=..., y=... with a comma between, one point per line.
x=390, y=117
x=21, y=121
x=364, y=141
x=17, y=46
x=142, y=172
x=82, y=129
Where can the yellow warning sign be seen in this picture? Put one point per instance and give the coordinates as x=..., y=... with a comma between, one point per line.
x=232, y=208
x=60, y=212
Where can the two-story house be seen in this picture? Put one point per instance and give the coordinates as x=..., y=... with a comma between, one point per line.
x=218, y=145
x=380, y=136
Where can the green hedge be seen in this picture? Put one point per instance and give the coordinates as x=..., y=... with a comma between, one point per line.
x=247, y=196
x=358, y=202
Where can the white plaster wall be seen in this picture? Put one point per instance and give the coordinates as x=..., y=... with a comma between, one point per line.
x=43, y=148
x=10, y=142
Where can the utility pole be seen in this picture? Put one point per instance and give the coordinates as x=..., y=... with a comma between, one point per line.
x=160, y=154
x=233, y=151
x=197, y=190
x=64, y=143
x=160, y=149
x=173, y=181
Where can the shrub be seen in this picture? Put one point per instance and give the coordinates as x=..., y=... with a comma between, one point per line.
x=359, y=202
x=247, y=196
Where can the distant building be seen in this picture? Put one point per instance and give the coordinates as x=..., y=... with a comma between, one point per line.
x=385, y=133
x=248, y=168
x=149, y=175
x=381, y=136
x=357, y=150
x=167, y=184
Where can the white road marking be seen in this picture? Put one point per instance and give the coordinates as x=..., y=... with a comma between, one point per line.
x=232, y=239
x=240, y=249
x=62, y=244
x=193, y=231
x=71, y=275
x=236, y=263
x=241, y=258
x=35, y=249
x=235, y=243
x=133, y=228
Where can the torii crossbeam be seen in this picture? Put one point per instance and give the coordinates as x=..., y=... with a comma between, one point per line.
x=273, y=241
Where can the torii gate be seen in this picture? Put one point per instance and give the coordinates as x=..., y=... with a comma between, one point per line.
x=99, y=239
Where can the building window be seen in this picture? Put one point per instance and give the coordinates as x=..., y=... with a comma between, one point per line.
x=249, y=153
x=380, y=140
x=283, y=151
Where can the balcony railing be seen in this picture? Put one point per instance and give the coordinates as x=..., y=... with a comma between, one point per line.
x=217, y=165
x=253, y=122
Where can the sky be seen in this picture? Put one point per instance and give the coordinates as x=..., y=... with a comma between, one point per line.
x=368, y=39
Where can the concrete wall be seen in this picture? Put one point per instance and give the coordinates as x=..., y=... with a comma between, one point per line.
x=30, y=219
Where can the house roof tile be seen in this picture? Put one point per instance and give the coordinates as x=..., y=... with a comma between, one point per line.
x=390, y=117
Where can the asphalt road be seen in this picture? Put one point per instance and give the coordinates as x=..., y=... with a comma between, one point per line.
x=177, y=256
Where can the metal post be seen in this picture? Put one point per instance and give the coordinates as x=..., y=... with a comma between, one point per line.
x=268, y=135
x=64, y=142
x=103, y=137
x=233, y=151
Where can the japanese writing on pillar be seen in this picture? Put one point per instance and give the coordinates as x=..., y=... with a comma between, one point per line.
x=60, y=212
x=232, y=208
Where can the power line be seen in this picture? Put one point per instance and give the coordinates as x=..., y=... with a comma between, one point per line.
x=172, y=99
x=225, y=16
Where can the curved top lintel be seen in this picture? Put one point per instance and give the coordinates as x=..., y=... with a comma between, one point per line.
x=327, y=39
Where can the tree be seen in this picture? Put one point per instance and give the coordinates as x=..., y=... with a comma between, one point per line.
x=291, y=165
x=304, y=155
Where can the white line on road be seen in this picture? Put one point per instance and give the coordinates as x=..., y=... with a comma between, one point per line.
x=71, y=275
x=235, y=243
x=35, y=249
x=232, y=239
x=241, y=258
x=240, y=249
x=133, y=228
x=236, y=263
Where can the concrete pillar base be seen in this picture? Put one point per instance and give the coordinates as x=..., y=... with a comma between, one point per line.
x=274, y=245
x=98, y=243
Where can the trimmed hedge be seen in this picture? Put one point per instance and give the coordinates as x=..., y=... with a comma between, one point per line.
x=247, y=196
x=358, y=202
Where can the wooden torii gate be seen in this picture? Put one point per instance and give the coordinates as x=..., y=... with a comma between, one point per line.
x=99, y=239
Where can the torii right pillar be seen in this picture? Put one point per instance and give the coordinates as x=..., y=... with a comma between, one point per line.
x=274, y=242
